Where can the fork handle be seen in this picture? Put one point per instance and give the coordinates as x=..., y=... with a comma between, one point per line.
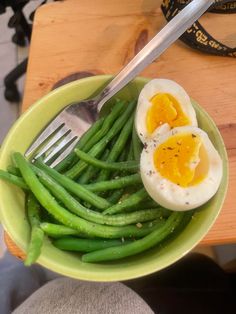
x=169, y=34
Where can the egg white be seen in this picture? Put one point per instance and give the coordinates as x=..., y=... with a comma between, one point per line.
x=171, y=195
x=152, y=88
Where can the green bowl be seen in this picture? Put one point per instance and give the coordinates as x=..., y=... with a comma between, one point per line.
x=12, y=213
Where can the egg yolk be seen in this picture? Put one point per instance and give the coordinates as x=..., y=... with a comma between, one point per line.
x=165, y=109
x=182, y=159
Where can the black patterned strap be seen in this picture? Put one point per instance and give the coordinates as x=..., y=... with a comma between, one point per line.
x=196, y=36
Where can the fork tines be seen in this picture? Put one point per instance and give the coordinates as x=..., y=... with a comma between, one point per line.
x=56, y=138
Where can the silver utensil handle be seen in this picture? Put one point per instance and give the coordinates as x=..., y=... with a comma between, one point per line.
x=169, y=34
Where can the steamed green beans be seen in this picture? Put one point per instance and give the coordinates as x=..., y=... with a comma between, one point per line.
x=13, y=179
x=75, y=188
x=71, y=158
x=100, y=146
x=75, y=207
x=130, y=202
x=118, y=147
x=130, y=166
x=67, y=206
x=37, y=234
x=115, y=196
x=110, y=119
x=71, y=220
x=57, y=231
x=137, y=145
x=13, y=170
x=113, y=184
x=100, y=132
x=92, y=172
x=138, y=246
x=86, y=245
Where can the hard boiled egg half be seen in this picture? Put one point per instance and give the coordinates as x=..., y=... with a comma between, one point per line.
x=181, y=169
x=162, y=104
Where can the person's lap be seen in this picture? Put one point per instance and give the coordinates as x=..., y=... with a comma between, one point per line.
x=193, y=285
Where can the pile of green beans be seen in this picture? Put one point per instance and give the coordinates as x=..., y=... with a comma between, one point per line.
x=94, y=200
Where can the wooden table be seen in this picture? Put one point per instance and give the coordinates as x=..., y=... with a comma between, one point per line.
x=72, y=39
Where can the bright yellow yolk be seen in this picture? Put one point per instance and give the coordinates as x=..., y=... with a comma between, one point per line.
x=165, y=109
x=182, y=159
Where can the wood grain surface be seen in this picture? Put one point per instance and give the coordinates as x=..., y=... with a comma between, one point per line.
x=72, y=39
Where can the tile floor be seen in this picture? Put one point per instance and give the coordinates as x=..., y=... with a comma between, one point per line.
x=10, y=56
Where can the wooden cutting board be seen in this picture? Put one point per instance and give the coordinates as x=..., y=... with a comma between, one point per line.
x=72, y=39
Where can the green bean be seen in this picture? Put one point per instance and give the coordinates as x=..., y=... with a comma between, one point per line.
x=113, y=141
x=131, y=152
x=100, y=146
x=138, y=246
x=71, y=220
x=13, y=179
x=47, y=217
x=13, y=170
x=131, y=201
x=115, y=196
x=114, y=114
x=118, y=183
x=118, y=147
x=75, y=207
x=132, y=166
x=55, y=230
x=92, y=171
x=71, y=158
x=74, y=187
x=137, y=145
x=89, y=173
x=121, y=140
x=149, y=203
x=184, y=222
x=86, y=245
x=37, y=235
x=122, y=157
x=33, y=210
x=35, y=245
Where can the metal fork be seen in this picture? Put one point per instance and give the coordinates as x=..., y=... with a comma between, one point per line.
x=67, y=127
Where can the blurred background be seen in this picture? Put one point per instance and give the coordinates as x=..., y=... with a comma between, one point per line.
x=12, y=54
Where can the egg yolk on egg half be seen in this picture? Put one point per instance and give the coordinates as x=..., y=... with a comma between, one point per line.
x=182, y=159
x=165, y=109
